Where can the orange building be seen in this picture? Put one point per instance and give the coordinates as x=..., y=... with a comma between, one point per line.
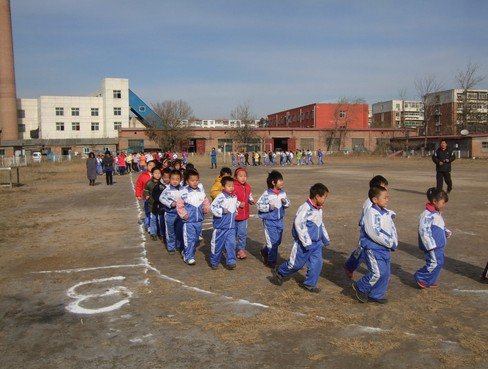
x=351, y=116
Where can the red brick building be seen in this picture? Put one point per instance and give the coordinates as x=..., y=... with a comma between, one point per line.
x=352, y=116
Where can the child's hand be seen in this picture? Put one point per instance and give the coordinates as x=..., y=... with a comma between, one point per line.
x=448, y=233
x=173, y=204
x=225, y=211
x=241, y=205
x=271, y=207
x=147, y=197
x=283, y=200
x=185, y=217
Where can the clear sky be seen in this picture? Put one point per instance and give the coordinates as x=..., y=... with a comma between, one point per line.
x=272, y=54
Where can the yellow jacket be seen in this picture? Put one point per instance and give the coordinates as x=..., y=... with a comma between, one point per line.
x=216, y=188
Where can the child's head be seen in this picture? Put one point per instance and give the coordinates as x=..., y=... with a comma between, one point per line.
x=275, y=180
x=378, y=181
x=437, y=198
x=177, y=164
x=225, y=171
x=192, y=178
x=166, y=174
x=379, y=196
x=227, y=184
x=318, y=194
x=174, y=178
x=156, y=173
x=190, y=166
x=150, y=165
x=240, y=174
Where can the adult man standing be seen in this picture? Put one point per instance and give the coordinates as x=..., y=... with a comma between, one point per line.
x=443, y=158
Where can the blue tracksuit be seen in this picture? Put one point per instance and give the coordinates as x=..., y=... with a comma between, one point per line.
x=378, y=238
x=309, y=235
x=432, y=240
x=171, y=219
x=224, y=233
x=193, y=201
x=272, y=220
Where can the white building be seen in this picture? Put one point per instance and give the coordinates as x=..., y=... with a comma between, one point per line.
x=397, y=114
x=218, y=123
x=98, y=116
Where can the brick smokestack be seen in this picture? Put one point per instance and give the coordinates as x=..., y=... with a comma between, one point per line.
x=8, y=96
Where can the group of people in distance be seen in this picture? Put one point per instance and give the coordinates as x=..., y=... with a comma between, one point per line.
x=282, y=157
x=175, y=205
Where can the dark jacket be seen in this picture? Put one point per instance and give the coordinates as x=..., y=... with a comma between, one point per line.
x=108, y=163
x=440, y=156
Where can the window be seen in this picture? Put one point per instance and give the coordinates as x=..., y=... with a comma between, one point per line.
x=117, y=125
x=75, y=126
x=95, y=126
x=484, y=145
x=21, y=128
x=20, y=114
x=342, y=114
x=86, y=150
x=94, y=112
x=2, y=152
x=397, y=106
x=117, y=94
x=59, y=111
x=483, y=95
x=75, y=112
x=117, y=111
x=59, y=126
x=472, y=95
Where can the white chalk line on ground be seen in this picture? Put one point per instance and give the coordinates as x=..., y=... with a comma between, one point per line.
x=471, y=291
x=465, y=232
x=77, y=270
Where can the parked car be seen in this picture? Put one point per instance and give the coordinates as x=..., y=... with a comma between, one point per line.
x=36, y=157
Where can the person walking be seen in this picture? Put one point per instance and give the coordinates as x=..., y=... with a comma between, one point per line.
x=108, y=167
x=443, y=157
x=91, y=168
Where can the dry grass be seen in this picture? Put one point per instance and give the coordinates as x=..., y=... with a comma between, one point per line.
x=369, y=347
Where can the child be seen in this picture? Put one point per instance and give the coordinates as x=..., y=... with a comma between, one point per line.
x=141, y=182
x=217, y=186
x=166, y=174
x=378, y=239
x=356, y=257
x=271, y=206
x=155, y=220
x=309, y=235
x=158, y=206
x=171, y=220
x=244, y=196
x=433, y=236
x=191, y=206
x=224, y=209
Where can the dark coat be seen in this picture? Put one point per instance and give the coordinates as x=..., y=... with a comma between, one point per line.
x=91, y=168
x=440, y=156
x=108, y=163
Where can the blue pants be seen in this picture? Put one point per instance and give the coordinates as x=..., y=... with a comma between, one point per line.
x=173, y=231
x=273, y=231
x=223, y=238
x=432, y=268
x=191, y=233
x=355, y=259
x=321, y=160
x=157, y=224
x=241, y=234
x=312, y=256
x=375, y=283
x=147, y=215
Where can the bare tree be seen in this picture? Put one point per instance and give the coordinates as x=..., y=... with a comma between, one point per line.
x=245, y=133
x=342, y=119
x=470, y=116
x=174, y=132
x=425, y=86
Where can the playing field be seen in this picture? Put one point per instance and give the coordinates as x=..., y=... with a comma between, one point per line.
x=82, y=286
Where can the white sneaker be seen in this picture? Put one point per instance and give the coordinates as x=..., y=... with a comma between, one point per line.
x=191, y=262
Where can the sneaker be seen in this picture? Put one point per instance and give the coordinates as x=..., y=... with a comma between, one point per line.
x=378, y=301
x=191, y=261
x=434, y=285
x=278, y=278
x=361, y=296
x=349, y=274
x=309, y=288
x=422, y=285
x=241, y=254
x=231, y=266
x=171, y=252
x=264, y=255
x=214, y=267
x=154, y=237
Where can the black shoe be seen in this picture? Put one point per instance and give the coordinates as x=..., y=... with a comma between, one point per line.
x=361, y=296
x=264, y=255
x=309, y=288
x=214, y=267
x=154, y=237
x=278, y=278
x=379, y=301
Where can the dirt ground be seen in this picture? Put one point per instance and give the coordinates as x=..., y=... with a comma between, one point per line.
x=83, y=287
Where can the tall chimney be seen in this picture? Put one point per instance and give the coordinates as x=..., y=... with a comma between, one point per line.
x=8, y=97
